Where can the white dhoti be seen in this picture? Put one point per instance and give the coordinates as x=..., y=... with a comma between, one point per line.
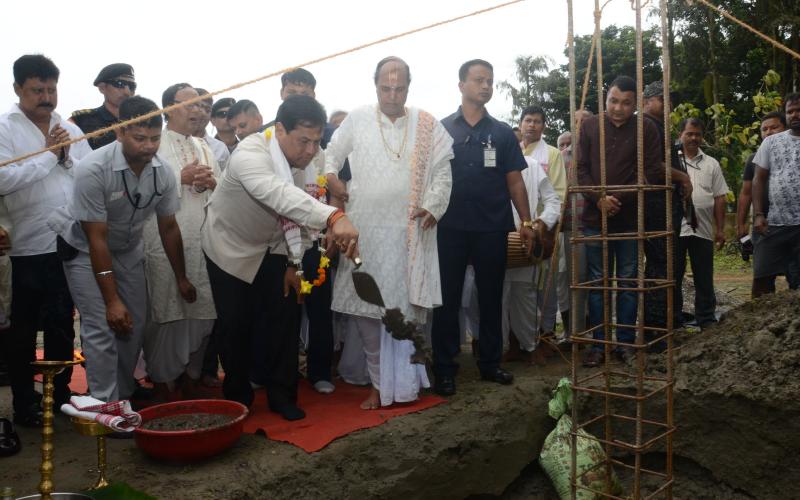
x=176, y=347
x=520, y=313
x=388, y=364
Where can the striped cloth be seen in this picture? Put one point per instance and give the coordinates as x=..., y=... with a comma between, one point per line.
x=117, y=415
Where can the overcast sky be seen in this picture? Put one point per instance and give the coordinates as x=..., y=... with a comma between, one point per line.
x=216, y=44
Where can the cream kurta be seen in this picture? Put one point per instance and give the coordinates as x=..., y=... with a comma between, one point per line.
x=378, y=206
x=166, y=303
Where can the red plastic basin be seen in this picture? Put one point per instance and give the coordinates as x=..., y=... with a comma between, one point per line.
x=190, y=445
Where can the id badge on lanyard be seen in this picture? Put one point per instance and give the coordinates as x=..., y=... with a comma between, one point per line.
x=489, y=154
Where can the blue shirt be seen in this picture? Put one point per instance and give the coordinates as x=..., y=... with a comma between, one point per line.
x=479, y=200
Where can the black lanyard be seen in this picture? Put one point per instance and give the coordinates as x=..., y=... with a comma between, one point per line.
x=138, y=196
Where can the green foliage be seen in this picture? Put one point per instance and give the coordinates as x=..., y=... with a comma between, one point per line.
x=728, y=139
x=540, y=82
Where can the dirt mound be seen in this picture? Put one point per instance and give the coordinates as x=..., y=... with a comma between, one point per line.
x=754, y=352
x=736, y=401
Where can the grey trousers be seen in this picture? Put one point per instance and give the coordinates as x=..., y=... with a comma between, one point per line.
x=110, y=358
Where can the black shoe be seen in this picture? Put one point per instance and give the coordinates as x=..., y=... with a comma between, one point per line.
x=290, y=412
x=29, y=418
x=444, y=386
x=9, y=439
x=498, y=376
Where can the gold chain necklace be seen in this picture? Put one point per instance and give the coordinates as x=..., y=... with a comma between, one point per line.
x=394, y=155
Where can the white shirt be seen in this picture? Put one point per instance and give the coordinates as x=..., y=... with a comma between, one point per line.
x=708, y=182
x=220, y=150
x=33, y=188
x=242, y=215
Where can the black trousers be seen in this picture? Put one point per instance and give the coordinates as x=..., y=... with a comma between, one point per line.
x=655, y=251
x=486, y=251
x=320, y=321
x=258, y=315
x=211, y=357
x=40, y=300
x=701, y=255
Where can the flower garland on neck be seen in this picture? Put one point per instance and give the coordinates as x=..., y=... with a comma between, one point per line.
x=320, y=192
x=324, y=262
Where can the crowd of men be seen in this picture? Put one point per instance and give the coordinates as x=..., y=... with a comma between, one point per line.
x=184, y=250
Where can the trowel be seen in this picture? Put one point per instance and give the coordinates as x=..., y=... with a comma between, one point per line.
x=394, y=320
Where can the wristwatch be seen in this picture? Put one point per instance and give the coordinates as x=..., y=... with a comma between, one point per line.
x=527, y=223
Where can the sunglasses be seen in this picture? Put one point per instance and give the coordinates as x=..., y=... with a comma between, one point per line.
x=121, y=84
x=220, y=114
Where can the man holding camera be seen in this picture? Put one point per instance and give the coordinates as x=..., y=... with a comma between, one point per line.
x=708, y=198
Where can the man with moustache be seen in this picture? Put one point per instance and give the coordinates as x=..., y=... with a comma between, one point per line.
x=708, y=199
x=487, y=179
x=117, y=189
x=778, y=168
x=176, y=336
x=31, y=190
x=219, y=119
x=116, y=82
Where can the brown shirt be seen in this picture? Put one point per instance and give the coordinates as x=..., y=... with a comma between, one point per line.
x=620, y=167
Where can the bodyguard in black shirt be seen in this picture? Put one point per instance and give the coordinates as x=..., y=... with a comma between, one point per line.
x=116, y=82
x=486, y=178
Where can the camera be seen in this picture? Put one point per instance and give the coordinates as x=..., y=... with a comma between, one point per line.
x=746, y=247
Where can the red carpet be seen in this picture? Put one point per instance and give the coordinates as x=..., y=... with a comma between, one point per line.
x=328, y=416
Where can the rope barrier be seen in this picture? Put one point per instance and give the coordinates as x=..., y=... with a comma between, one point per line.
x=193, y=100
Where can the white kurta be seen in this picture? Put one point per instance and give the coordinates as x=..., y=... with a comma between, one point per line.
x=379, y=206
x=168, y=345
x=387, y=161
x=521, y=289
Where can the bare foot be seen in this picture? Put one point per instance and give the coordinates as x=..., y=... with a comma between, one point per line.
x=373, y=402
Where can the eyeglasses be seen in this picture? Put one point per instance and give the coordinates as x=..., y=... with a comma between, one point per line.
x=222, y=113
x=121, y=84
x=195, y=105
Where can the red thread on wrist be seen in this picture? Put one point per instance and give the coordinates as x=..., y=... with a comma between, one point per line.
x=335, y=216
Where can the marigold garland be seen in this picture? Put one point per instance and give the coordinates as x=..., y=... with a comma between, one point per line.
x=324, y=262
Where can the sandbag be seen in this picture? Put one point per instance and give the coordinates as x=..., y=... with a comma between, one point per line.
x=556, y=456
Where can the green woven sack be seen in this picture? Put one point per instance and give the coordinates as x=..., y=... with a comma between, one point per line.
x=556, y=456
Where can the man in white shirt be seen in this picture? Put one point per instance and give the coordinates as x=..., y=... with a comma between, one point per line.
x=708, y=197
x=32, y=189
x=219, y=119
x=253, y=221
x=399, y=160
x=523, y=288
